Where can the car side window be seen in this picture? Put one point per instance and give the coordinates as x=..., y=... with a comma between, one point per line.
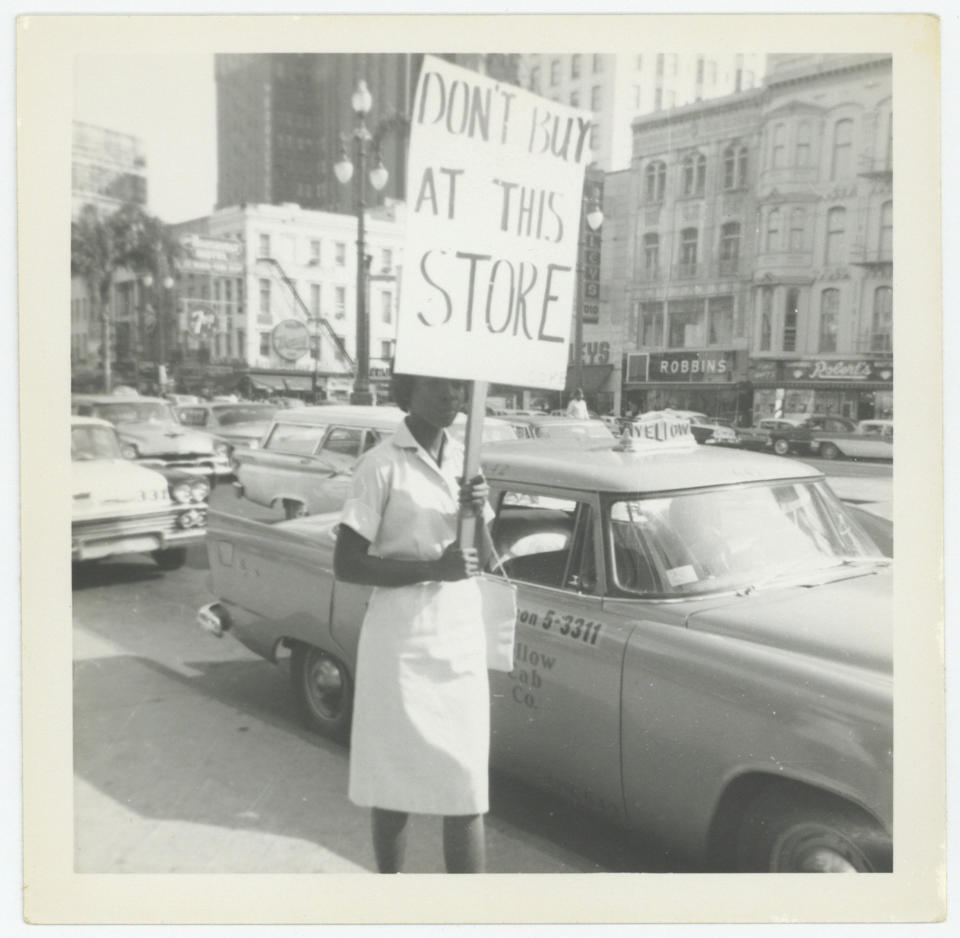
x=836, y=426
x=546, y=541
x=343, y=441
x=192, y=416
x=295, y=439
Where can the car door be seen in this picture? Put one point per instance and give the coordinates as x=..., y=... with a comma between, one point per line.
x=329, y=484
x=556, y=714
x=285, y=466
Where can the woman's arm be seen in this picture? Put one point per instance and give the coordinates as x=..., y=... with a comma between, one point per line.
x=353, y=564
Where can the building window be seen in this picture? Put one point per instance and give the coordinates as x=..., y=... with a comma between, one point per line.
x=741, y=167
x=829, y=320
x=688, y=252
x=574, y=66
x=595, y=94
x=720, y=320
x=535, y=78
x=686, y=323
x=574, y=99
x=841, y=166
x=315, y=252
x=729, y=168
x=791, y=314
x=265, y=344
x=241, y=343
x=729, y=247
x=798, y=224
x=594, y=137
x=658, y=99
x=315, y=299
x=340, y=254
x=654, y=181
x=554, y=71
x=699, y=69
x=340, y=304
x=386, y=349
x=651, y=253
x=779, y=150
x=637, y=97
x=881, y=339
x=659, y=64
x=386, y=259
x=836, y=221
x=773, y=230
x=651, y=325
x=386, y=308
x=265, y=297
x=597, y=64
x=694, y=174
x=803, y=143
x=766, y=318
x=264, y=245
x=886, y=231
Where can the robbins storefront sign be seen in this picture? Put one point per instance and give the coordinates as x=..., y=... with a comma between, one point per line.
x=823, y=369
x=291, y=339
x=691, y=366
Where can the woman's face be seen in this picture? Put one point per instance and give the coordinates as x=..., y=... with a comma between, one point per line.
x=436, y=401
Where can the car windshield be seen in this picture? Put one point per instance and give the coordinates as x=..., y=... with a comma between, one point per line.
x=243, y=413
x=94, y=443
x=731, y=538
x=135, y=412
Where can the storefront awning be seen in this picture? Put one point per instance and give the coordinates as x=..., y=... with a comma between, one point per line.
x=298, y=383
x=593, y=378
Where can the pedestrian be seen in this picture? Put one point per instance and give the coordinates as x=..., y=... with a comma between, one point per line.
x=420, y=737
x=577, y=406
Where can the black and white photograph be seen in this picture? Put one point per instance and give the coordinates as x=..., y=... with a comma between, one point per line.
x=481, y=462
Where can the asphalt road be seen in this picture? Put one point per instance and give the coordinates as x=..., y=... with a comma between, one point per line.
x=189, y=756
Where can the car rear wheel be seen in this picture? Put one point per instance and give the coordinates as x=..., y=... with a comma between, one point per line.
x=829, y=451
x=784, y=831
x=292, y=509
x=324, y=690
x=781, y=447
x=172, y=558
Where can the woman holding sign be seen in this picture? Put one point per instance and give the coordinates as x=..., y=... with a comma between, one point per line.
x=421, y=722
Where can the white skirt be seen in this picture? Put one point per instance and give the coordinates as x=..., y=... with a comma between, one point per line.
x=421, y=718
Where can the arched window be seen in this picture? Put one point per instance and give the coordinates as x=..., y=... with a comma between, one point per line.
x=829, y=319
x=803, y=143
x=778, y=153
x=651, y=253
x=693, y=174
x=798, y=225
x=688, y=252
x=886, y=231
x=836, y=223
x=654, y=181
x=841, y=165
x=729, y=247
x=766, y=318
x=881, y=337
x=773, y=230
x=791, y=313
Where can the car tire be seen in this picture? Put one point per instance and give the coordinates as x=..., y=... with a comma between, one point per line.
x=829, y=451
x=781, y=447
x=293, y=509
x=324, y=691
x=171, y=558
x=790, y=830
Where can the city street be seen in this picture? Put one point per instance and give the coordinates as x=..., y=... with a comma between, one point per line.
x=190, y=758
x=189, y=755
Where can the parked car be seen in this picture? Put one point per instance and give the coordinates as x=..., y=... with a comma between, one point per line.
x=305, y=461
x=869, y=439
x=151, y=434
x=705, y=429
x=759, y=435
x=703, y=647
x=121, y=507
x=241, y=423
x=798, y=437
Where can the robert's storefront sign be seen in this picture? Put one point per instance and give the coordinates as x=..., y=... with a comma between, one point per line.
x=822, y=369
x=687, y=367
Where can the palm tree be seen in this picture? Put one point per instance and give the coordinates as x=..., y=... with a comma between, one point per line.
x=100, y=247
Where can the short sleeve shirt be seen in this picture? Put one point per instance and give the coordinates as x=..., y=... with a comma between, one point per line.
x=403, y=502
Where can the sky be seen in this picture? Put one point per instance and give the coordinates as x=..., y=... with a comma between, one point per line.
x=167, y=101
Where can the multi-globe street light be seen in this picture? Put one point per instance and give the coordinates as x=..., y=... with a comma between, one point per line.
x=346, y=169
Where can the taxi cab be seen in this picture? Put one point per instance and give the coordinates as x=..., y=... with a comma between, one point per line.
x=703, y=644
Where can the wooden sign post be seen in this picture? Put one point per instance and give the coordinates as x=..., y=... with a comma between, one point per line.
x=467, y=525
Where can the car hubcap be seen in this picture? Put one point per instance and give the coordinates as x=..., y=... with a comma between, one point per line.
x=816, y=851
x=324, y=686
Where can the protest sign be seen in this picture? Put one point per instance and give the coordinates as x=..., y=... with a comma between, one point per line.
x=494, y=189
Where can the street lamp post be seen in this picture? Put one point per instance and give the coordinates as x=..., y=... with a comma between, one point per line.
x=594, y=218
x=361, y=101
x=160, y=325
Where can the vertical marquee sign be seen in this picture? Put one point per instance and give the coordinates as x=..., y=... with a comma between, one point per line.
x=494, y=193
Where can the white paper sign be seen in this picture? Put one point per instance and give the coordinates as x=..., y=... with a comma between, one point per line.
x=494, y=190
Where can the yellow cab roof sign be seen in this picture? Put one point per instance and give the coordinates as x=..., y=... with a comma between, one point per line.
x=655, y=433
